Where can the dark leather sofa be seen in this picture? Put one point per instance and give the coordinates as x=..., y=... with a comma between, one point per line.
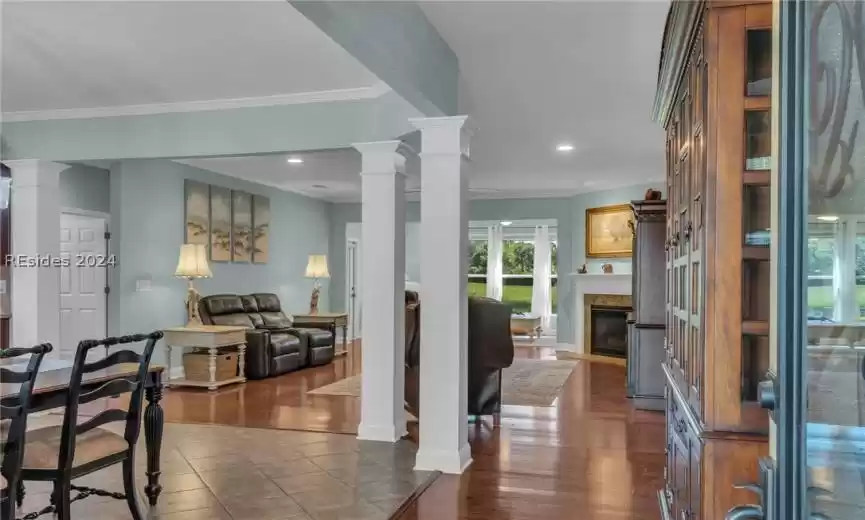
x=490, y=349
x=273, y=346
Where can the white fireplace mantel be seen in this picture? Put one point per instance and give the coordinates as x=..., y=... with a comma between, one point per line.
x=595, y=283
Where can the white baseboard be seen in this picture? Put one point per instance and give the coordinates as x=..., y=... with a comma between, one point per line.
x=446, y=461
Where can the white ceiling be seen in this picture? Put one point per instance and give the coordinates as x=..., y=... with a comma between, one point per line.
x=534, y=74
x=540, y=73
x=332, y=175
x=84, y=55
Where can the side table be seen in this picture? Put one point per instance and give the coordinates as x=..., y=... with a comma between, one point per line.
x=328, y=320
x=213, y=338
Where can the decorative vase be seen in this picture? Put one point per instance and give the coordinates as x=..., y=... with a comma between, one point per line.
x=608, y=268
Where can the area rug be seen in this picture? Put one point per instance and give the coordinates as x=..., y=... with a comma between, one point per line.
x=527, y=382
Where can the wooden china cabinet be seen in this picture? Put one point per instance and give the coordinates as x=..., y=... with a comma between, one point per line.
x=713, y=99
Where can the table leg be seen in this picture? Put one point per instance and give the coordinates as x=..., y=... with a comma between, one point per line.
x=211, y=368
x=241, y=360
x=344, y=337
x=154, y=421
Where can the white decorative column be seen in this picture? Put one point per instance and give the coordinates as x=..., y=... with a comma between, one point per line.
x=444, y=296
x=382, y=415
x=35, y=204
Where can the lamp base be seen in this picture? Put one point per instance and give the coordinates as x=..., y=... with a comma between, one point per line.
x=193, y=317
x=313, y=300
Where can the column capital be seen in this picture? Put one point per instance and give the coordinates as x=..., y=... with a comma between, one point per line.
x=445, y=135
x=35, y=172
x=381, y=157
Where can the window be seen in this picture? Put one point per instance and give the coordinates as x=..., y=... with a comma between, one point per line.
x=478, y=268
x=518, y=261
x=554, y=279
x=821, y=269
x=860, y=269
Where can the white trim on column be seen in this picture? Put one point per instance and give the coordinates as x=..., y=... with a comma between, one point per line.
x=35, y=291
x=444, y=320
x=383, y=297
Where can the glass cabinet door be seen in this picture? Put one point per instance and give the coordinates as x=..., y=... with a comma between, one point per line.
x=820, y=414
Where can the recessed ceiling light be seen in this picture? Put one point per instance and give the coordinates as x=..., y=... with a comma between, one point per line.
x=565, y=147
x=295, y=160
x=828, y=218
x=506, y=222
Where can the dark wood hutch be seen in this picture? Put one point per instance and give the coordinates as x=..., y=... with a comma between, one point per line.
x=714, y=100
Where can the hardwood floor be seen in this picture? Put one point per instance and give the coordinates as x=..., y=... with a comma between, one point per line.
x=592, y=456
x=279, y=402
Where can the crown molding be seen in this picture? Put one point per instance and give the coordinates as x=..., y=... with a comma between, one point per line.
x=323, y=96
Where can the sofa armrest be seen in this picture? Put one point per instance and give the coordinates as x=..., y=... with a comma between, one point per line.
x=258, y=353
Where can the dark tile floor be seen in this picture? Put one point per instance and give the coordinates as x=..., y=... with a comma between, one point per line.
x=225, y=473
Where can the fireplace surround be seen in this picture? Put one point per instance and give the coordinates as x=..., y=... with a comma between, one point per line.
x=605, y=330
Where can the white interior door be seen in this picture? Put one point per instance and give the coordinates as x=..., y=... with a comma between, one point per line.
x=352, y=289
x=82, y=282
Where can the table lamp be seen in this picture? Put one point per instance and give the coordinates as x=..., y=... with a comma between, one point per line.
x=315, y=269
x=192, y=264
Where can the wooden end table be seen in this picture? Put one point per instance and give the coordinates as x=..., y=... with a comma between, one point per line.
x=213, y=338
x=329, y=321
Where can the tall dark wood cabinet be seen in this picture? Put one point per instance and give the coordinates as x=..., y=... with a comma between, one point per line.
x=714, y=101
x=647, y=321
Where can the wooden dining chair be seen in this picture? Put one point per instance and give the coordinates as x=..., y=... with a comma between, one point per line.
x=60, y=454
x=14, y=423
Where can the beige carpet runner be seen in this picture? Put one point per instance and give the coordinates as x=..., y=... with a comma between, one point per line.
x=527, y=382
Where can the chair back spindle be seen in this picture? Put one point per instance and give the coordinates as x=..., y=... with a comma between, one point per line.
x=16, y=413
x=80, y=392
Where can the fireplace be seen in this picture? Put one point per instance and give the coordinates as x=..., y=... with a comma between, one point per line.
x=609, y=331
x=606, y=324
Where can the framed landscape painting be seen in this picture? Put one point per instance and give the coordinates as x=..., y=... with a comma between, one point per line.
x=241, y=226
x=196, y=212
x=608, y=232
x=260, y=229
x=220, y=224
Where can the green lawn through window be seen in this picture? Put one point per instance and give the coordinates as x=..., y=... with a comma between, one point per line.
x=518, y=296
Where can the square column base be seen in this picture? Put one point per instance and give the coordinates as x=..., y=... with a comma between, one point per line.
x=380, y=433
x=451, y=462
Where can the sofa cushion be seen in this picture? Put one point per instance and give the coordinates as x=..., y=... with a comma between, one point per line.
x=284, y=343
x=275, y=320
x=267, y=302
x=317, y=337
x=236, y=320
x=223, y=304
x=249, y=303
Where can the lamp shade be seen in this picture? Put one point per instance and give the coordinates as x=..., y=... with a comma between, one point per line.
x=317, y=267
x=193, y=262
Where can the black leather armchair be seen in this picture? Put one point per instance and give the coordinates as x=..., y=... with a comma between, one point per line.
x=273, y=346
x=490, y=349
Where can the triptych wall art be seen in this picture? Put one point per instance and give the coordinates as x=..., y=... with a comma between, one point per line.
x=235, y=225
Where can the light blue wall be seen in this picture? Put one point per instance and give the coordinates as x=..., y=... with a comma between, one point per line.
x=147, y=199
x=568, y=212
x=85, y=187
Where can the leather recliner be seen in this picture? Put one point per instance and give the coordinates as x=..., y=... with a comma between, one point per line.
x=273, y=346
x=490, y=349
